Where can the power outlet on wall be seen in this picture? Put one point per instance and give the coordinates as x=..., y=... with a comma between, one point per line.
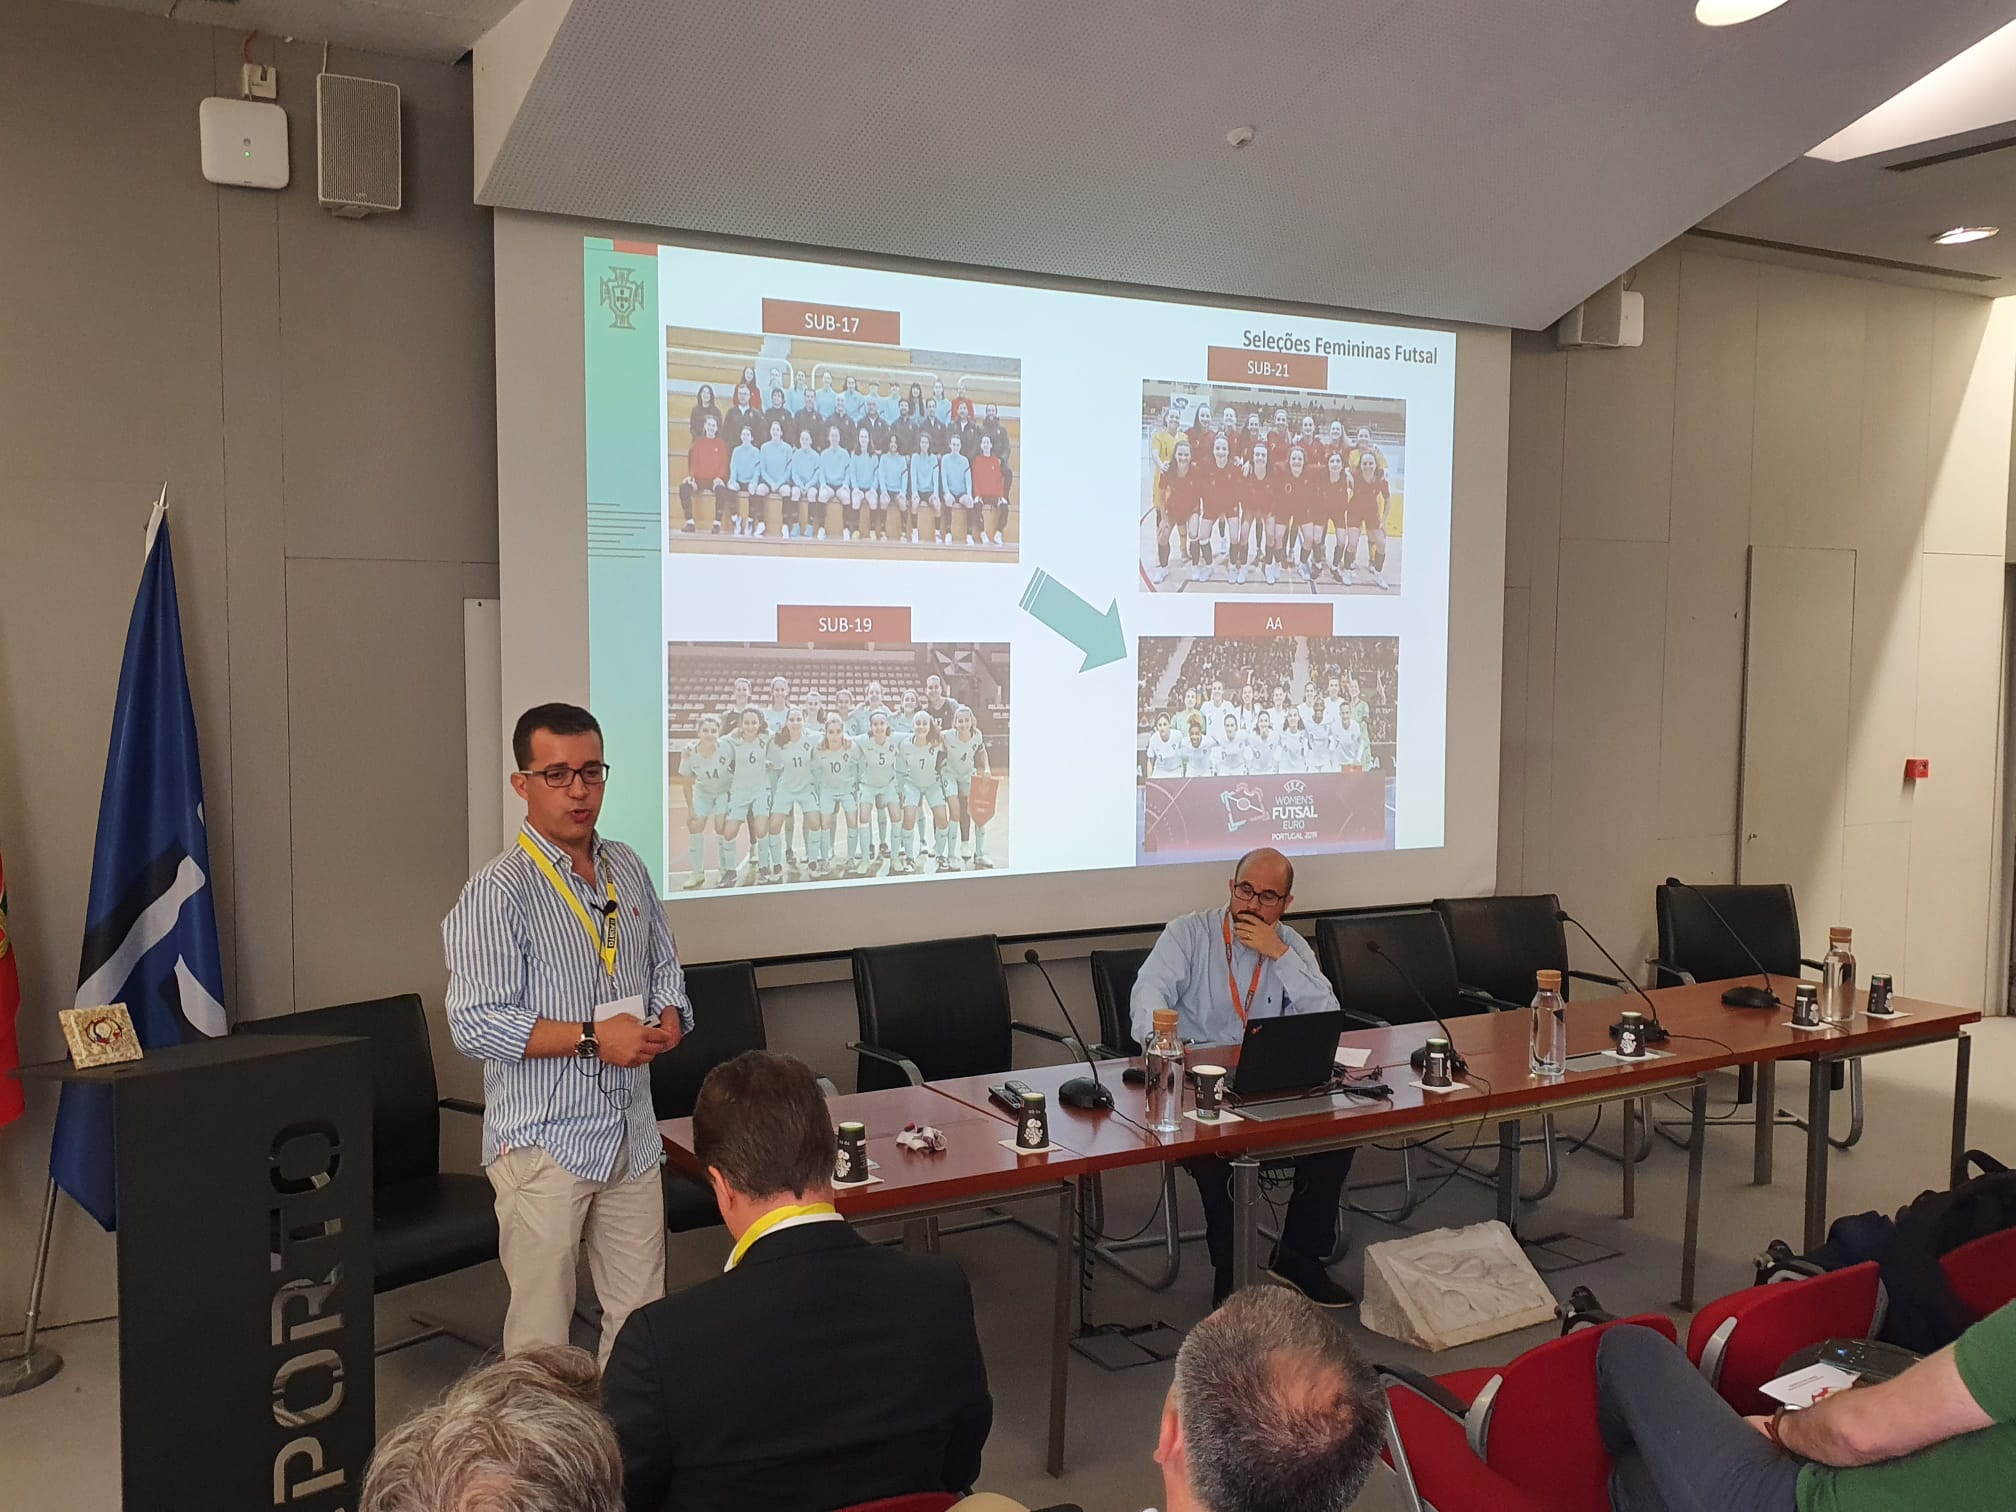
x=262, y=81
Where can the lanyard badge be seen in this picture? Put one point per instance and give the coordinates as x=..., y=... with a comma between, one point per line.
x=604, y=938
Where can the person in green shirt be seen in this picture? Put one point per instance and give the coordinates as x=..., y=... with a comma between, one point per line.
x=1941, y=1437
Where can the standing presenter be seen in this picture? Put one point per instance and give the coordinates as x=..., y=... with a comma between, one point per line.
x=564, y=982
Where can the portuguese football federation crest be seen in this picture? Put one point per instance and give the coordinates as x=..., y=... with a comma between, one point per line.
x=623, y=296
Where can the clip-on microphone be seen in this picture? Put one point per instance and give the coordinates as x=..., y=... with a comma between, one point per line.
x=1736, y=997
x=1655, y=1033
x=1419, y=1059
x=1087, y=1092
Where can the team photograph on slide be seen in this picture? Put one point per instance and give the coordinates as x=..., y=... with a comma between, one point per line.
x=1267, y=489
x=804, y=764
x=787, y=445
x=1285, y=741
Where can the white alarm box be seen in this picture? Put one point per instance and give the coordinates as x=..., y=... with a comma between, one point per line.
x=244, y=143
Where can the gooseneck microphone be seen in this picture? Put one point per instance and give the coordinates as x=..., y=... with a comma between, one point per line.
x=1081, y=1091
x=1657, y=1034
x=1419, y=1058
x=1736, y=997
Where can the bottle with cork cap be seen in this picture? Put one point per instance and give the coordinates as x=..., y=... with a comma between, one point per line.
x=1549, y=1055
x=1163, y=1057
x=1837, y=977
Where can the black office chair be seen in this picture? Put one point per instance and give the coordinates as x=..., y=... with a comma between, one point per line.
x=1373, y=993
x=425, y=1222
x=1113, y=974
x=1501, y=943
x=727, y=1020
x=936, y=1009
x=1695, y=946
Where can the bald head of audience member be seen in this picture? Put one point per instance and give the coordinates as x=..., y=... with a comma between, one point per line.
x=1271, y=1410
x=525, y=1434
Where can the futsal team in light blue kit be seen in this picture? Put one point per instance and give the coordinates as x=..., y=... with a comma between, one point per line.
x=880, y=774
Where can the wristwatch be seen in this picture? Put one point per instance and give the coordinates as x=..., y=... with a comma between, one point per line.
x=587, y=1048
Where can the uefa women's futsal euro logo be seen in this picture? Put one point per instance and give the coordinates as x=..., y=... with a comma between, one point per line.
x=1243, y=804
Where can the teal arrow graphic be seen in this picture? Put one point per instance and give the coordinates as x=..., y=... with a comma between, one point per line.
x=1097, y=635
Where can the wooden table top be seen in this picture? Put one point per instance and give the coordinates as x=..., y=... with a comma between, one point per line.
x=973, y=1162
x=1706, y=1036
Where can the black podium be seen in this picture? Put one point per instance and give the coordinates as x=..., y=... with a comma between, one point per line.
x=245, y=1313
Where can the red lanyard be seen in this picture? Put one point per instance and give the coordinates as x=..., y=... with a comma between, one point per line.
x=1232, y=977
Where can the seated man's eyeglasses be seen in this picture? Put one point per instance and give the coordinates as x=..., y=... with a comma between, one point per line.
x=1246, y=892
x=594, y=774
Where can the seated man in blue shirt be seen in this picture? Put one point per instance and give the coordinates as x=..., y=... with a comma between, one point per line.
x=1217, y=969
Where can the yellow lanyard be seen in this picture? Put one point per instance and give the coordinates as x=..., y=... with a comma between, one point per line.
x=771, y=1219
x=603, y=939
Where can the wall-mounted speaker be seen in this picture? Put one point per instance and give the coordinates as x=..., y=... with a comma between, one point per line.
x=357, y=150
x=1611, y=317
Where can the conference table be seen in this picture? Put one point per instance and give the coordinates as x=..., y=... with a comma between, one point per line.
x=977, y=1169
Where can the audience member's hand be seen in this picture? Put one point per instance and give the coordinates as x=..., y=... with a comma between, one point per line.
x=627, y=1040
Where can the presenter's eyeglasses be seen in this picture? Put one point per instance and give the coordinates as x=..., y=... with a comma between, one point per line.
x=1246, y=892
x=594, y=774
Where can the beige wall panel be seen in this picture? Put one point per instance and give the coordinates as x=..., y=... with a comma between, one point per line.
x=1796, y=732
x=1617, y=478
x=380, y=777
x=1538, y=371
x=1875, y=897
x=1713, y=401
x=103, y=376
x=1611, y=629
x=1952, y=832
x=1896, y=418
x=1973, y=369
x=1513, y=753
x=1806, y=465
x=1533, y=472
x=400, y=329
x=1883, y=698
x=262, y=852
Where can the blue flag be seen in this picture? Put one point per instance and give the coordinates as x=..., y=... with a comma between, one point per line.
x=150, y=933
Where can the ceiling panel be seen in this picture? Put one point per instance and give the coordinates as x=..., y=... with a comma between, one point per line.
x=1438, y=158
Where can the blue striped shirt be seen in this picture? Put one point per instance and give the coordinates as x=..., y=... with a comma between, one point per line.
x=516, y=954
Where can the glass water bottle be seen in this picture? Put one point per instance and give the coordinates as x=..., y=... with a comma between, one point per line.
x=1837, y=977
x=1164, y=1057
x=1550, y=1026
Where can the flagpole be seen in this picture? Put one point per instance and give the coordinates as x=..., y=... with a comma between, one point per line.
x=36, y=1363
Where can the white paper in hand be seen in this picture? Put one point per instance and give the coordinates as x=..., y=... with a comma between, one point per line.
x=632, y=1005
x=1802, y=1388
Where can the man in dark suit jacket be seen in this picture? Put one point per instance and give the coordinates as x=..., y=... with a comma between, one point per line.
x=818, y=1370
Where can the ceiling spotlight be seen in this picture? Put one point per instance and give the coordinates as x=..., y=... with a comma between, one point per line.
x=1732, y=12
x=1960, y=235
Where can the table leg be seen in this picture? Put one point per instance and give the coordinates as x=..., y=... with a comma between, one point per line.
x=1630, y=1157
x=1697, y=1147
x=1060, y=1321
x=1817, y=1090
x=1508, y=1175
x=1765, y=1088
x=1245, y=1221
x=1963, y=1054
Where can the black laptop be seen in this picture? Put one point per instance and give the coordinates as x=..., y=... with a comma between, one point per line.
x=1289, y=1056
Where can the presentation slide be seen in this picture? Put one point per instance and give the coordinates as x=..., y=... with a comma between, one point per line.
x=899, y=579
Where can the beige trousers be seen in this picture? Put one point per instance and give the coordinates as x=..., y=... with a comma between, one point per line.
x=546, y=1217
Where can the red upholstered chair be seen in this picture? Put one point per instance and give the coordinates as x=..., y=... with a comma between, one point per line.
x=1982, y=1272
x=1521, y=1438
x=916, y=1501
x=1741, y=1342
